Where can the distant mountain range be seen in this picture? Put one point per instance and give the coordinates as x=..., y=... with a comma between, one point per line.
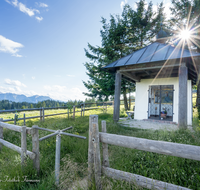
x=22, y=98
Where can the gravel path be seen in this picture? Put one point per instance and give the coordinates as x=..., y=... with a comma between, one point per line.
x=147, y=124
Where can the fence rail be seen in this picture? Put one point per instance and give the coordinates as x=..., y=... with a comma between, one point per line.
x=160, y=147
x=83, y=107
x=23, y=149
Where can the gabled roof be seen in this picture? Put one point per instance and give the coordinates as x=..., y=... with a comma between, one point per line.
x=153, y=53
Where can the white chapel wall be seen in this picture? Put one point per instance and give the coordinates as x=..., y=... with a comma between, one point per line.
x=141, y=99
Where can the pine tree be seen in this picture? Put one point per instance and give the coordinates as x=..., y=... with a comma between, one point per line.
x=120, y=37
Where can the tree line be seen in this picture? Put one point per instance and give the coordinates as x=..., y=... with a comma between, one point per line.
x=133, y=30
x=8, y=105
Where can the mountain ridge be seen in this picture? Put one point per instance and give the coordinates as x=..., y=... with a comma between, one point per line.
x=22, y=98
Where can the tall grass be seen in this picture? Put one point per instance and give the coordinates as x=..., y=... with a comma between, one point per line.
x=74, y=153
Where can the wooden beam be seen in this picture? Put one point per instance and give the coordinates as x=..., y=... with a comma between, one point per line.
x=182, y=107
x=117, y=96
x=131, y=76
x=147, y=72
x=160, y=147
x=148, y=68
x=164, y=72
x=139, y=180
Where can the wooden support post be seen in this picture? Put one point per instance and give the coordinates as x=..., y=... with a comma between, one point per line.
x=42, y=114
x=74, y=112
x=57, y=160
x=97, y=156
x=68, y=113
x=105, y=146
x=182, y=108
x=92, y=118
x=15, y=119
x=117, y=96
x=81, y=110
x=35, y=148
x=24, y=119
x=23, y=145
x=1, y=133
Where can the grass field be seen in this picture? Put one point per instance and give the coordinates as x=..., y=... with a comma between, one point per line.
x=74, y=153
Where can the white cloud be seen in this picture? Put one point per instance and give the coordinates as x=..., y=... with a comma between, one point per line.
x=71, y=75
x=167, y=10
x=22, y=7
x=14, y=83
x=123, y=3
x=42, y=5
x=39, y=18
x=7, y=1
x=63, y=93
x=9, y=46
x=18, y=90
x=33, y=78
x=55, y=88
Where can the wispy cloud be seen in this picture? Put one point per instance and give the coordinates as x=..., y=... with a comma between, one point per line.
x=9, y=46
x=123, y=3
x=18, y=90
x=39, y=18
x=42, y=5
x=29, y=11
x=71, y=75
x=14, y=83
x=63, y=93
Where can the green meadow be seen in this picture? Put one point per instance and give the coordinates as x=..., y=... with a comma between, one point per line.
x=74, y=155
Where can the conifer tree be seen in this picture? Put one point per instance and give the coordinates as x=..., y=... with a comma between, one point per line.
x=120, y=37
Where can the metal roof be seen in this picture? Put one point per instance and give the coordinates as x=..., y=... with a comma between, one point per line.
x=152, y=53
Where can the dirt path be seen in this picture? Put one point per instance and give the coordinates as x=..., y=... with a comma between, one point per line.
x=147, y=124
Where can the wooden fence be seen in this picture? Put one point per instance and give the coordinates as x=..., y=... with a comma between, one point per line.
x=161, y=147
x=83, y=107
x=34, y=155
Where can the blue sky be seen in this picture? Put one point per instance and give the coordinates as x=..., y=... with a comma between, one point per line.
x=42, y=44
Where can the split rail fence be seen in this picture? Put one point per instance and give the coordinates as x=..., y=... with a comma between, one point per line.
x=95, y=170
x=82, y=108
x=35, y=154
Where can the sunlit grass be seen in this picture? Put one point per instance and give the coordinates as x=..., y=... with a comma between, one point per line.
x=74, y=153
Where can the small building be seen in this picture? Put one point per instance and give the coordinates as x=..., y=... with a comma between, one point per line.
x=164, y=76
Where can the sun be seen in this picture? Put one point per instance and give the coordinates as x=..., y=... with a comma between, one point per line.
x=185, y=34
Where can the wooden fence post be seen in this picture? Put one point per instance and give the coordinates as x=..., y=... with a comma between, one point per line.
x=97, y=156
x=1, y=133
x=15, y=119
x=35, y=148
x=105, y=146
x=24, y=119
x=81, y=110
x=42, y=114
x=92, y=118
x=23, y=145
x=57, y=160
x=74, y=112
